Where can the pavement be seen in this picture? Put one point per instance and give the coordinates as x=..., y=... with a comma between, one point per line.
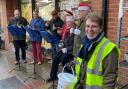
x=8, y=70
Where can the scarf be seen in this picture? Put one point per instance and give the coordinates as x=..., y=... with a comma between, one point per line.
x=88, y=45
x=65, y=30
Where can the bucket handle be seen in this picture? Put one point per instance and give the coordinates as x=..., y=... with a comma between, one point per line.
x=71, y=69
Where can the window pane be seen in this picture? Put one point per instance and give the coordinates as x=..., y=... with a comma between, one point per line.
x=45, y=8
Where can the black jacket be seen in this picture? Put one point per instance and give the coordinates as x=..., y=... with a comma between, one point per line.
x=68, y=42
x=58, y=23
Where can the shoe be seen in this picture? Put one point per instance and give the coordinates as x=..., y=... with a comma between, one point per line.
x=39, y=63
x=51, y=79
x=32, y=62
x=24, y=61
x=16, y=62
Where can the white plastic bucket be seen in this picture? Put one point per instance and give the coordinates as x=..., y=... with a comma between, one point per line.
x=65, y=79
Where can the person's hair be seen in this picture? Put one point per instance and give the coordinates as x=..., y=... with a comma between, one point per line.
x=36, y=10
x=93, y=16
x=55, y=12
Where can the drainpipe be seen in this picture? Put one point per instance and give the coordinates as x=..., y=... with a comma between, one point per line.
x=104, y=15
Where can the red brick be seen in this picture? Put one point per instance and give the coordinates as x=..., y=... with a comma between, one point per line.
x=112, y=6
x=112, y=19
x=123, y=78
x=110, y=28
x=113, y=1
x=112, y=24
x=113, y=15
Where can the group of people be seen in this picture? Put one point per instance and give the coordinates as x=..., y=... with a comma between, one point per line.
x=95, y=58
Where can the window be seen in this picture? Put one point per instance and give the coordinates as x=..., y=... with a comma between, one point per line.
x=45, y=8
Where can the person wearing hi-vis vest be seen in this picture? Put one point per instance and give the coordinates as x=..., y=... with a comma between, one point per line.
x=96, y=65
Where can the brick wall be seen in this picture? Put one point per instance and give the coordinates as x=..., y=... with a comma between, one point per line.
x=124, y=44
x=112, y=24
x=123, y=76
x=112, y=19
x=11, y=6
x=112, y=32
x=96, y=5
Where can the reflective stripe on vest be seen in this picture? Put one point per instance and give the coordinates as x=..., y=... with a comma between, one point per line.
x=96, y=70
x=92, y=87
x=77, y=66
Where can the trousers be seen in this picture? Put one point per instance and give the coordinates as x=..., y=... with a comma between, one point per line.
x=64, y=58
x=20, y=44
x=36, y=49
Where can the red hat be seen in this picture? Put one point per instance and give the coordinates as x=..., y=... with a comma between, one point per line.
x=69, y=12
x=83, y=6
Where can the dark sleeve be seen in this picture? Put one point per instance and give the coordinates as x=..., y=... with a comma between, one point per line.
x=110, y=70
x=70, y=44
x=49, y=25
x=25, y=22
x=60, y=24
x=10, y=22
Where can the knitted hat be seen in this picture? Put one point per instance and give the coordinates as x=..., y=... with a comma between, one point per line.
x=69, y=15
x=83, y=6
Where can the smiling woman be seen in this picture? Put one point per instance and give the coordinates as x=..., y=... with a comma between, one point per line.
x=98, y=56
x=93, y=26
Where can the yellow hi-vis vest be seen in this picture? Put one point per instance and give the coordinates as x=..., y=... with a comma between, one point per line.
x=94, y=73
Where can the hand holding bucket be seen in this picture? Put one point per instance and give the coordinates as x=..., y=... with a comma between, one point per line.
x=66, y=79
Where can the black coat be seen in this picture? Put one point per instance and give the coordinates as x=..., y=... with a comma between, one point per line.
x=58, y=23
x=68, y=42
